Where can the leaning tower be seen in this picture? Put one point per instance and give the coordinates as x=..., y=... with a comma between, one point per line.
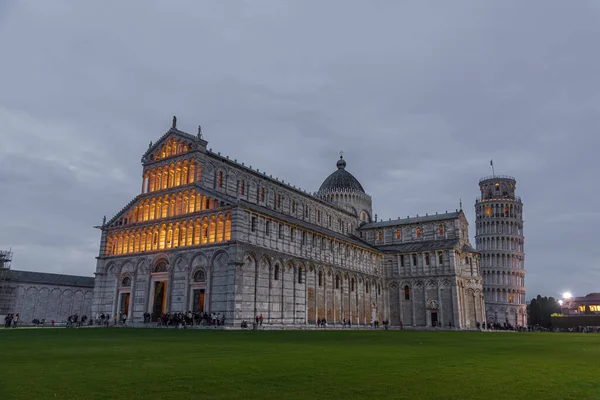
x=499, y=239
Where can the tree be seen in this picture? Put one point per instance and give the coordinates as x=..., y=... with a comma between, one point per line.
x=541, y=309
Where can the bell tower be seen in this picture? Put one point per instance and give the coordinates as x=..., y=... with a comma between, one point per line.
x=499, y=239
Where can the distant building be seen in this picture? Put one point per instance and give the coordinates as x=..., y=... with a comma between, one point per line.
x=38, y=295
x=587, y=305
x=210, y=234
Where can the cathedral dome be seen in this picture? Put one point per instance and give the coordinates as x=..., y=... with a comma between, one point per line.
x=341, y=180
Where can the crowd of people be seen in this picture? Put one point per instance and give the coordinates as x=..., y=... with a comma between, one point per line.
x=11, y=320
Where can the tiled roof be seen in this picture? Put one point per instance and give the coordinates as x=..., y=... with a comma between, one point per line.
x=469, y=249
x=414, y=220
x=419, y=246
x=306, y=225
x=50, y=279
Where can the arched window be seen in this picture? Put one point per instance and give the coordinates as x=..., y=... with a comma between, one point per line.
x=126, y=281
x=337, y=282
x=220, y=179
x=406, y=293
x=276, y=274
x=242, y=187
x=441, y=230
x=320, y=279
x=380, y=236
x=418, y=233
x=160, y=267
x=352, y=285
x=199, y=276
x=299, y=275
x=398, y=234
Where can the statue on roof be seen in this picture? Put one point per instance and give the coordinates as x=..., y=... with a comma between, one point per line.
x=174, y=126
x=150, y=145
x=199, y=132
x=104, y=221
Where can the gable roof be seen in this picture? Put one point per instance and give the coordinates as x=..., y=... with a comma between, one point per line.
x=419, y=246
x=414, y=220
x=49, y=279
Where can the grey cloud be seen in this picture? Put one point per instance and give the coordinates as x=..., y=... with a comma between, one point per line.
x=419, y=95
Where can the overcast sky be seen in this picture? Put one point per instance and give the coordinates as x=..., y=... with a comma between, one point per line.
x=420, y=96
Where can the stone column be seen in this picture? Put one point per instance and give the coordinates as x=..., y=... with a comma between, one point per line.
x=441, y=302
x=427, y=313
x=413, y=298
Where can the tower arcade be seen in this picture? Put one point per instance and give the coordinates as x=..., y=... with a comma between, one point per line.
x=499, y=239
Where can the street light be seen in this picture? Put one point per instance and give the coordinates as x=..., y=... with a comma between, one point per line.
x=560, y=302
x=567, y=295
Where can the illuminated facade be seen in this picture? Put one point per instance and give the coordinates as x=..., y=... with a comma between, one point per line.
x=499, y=238
x=210, y=234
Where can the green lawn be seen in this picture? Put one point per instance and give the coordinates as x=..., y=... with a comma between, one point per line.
x=184, y=364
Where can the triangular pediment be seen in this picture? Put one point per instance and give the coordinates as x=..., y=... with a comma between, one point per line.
x=172, y=143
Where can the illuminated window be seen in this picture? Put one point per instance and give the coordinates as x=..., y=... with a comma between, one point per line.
x=506, y=211
x=418, y=233
x=398, y=234
x=581, y=308
x=363, y=216
x=242, y=187
x=497, y=186
x=406, y=293
x=488, y=211
x=380, y=236
x=595, y=308
x=262, y=194
x=510, y=299
x=441, y=230
x=220, y=179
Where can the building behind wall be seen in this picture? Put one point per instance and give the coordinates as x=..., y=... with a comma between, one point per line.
x=39, y=295
x=211, y=234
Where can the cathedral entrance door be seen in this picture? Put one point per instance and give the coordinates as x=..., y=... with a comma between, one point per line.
x=124, y=305
x=434, y=319
x=160, y=299
x=199, y=300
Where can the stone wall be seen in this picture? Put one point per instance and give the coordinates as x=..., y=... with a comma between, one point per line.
x=50, y=302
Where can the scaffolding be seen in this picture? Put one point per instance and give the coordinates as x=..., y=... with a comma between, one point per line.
x=6, y=290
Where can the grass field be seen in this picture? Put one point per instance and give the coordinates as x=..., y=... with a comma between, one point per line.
x=186, y=364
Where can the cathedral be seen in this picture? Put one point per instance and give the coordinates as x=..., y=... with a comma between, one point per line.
x=210, y=234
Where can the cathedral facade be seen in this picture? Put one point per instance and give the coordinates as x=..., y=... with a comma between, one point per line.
x=211, y=234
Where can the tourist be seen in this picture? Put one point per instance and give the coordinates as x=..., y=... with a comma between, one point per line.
x=16, y=320
x=260, y=320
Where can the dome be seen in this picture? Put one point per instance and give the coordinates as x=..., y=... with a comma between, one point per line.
x=341, y=180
